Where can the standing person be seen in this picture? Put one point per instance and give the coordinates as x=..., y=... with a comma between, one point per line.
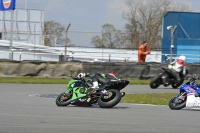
x=143, y=50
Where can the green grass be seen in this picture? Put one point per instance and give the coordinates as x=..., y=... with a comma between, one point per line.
x=36, y=80
x=138, y=82
x=150, y=98
x=33, y=80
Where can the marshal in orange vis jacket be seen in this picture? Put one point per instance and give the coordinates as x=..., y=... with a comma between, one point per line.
x=143, y=50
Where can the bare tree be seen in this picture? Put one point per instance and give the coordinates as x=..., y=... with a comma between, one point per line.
x=121, y=39
x=144, y=20
x=110, y=38
x=54, y=31
x=180, y=6
x=97, y=41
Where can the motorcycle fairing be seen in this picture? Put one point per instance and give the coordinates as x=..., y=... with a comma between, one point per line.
x=78, y=93
x=72, y=83
x=188, y=88
x=191, y=89
x=192, y=101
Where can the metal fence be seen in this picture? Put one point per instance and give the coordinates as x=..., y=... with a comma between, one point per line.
x=120, y=40
x=22, y=56
x=91, y=55
x=27, y=25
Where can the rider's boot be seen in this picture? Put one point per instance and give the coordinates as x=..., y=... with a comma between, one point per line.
x=164, y=79
x=65, y=96
x=94, y=88
x=178, y=77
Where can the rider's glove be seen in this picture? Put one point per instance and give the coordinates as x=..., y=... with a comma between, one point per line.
x=87, y=75
x=169, y=66
x=80, y=76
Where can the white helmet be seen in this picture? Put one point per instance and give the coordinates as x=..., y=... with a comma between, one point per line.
x=81, y=75
x=182, y=58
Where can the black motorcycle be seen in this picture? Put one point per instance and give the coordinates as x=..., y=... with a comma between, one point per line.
x=166, y=78
x=107, y=96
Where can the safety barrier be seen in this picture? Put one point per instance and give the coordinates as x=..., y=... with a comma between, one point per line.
x=71, y=69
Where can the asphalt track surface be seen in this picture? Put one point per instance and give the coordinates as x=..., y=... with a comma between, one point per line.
x=23, y=111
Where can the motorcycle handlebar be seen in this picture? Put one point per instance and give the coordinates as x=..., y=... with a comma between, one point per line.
x=164, y=67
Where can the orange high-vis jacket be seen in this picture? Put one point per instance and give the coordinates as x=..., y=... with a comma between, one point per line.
x=141, y=52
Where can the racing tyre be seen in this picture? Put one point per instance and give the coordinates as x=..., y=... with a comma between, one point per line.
x=62, y=100
x=177, y=103
x=155, y=82
x=176, y=85
x=113, y=98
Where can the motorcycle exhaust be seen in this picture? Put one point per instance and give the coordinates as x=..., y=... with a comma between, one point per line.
x=122, y=94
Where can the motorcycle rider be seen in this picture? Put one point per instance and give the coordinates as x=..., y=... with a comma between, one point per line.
x=97, y=78
x=176, y=67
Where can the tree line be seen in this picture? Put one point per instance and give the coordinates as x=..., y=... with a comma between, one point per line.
x=144, y=22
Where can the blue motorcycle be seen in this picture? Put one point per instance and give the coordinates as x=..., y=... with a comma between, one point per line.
x=189, y=95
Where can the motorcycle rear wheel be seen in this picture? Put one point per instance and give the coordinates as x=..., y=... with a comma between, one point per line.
x=176, y=103
x=111, y=100
x=63, y=102
x=176, y=85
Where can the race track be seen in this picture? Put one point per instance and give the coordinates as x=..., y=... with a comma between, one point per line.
x=22, y=111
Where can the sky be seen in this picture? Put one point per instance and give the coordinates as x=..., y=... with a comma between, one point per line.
x=86, y=15
x=82, y=14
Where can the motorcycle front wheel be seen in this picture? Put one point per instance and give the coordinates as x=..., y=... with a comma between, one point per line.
x=110, y=100
x=63, y=100
x=177, y=103
x=155, y=82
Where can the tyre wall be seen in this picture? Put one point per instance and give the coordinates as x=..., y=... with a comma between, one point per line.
x=39, y=69
x=71, y=69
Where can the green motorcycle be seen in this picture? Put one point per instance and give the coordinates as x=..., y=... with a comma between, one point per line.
x=78, y=93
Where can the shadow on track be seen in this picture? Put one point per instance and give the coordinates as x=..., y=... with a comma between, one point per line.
x=94, y=106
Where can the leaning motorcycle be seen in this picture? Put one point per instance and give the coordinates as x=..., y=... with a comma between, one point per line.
x=166, y=75
x=77, y=93
x=187, y=97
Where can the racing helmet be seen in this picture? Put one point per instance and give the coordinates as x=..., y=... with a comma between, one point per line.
x=193, y=79
x=112, y=74
x=182, y=57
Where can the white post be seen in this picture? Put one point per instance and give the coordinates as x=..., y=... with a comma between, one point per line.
x=11, y=29
x=172, y=42
x=1, y=22
x=171, y=45
x=25, y=7
x=55, y=41
x=102, y=40
x=20, y=56
x=66, y=34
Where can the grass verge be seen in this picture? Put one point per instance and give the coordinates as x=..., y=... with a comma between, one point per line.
x=150, y=98
x=36, y=80
x=33, y=80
